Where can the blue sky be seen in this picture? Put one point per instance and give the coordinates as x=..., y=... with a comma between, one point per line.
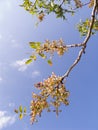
x=17, y=29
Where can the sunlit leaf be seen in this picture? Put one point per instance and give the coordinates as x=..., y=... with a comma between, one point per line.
x=25, y=110
x=49, y=62
x=20, y=108
x=20, y=116
x=28, y=61
x=42, y=55
x=33, y=57
x=34, y=45
x=96, y=25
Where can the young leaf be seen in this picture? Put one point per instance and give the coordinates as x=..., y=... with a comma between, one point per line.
x=96, y=25
x=34, y=45
x=42, y=55
x=20, y=109
x=33, y=57
x=16, y=111
x=49, y=62
x=28, y=61
x=20, y=116
x=25, y=110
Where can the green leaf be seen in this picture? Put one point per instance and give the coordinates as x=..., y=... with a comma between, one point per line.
x=20, y=109
x=96, y=25
x=42, y=55
x=49, y=62
x=35, y=45
x=20, y=116
x=25, y=110
x=33, y=57
x=28, y=61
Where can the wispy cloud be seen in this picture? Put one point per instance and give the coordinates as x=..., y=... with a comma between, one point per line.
x=13, y=41
x=20, y=65
x=6, y=119
x=11, y=104
x=36, y=73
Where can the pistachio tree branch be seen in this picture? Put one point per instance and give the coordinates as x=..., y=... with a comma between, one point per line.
x=84, y=43
x=74, y=45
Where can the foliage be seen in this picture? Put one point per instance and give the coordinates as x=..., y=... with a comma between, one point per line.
x=21, y=111
x=47, y=47
x=84, y=26
x=42, y=7
x=52, y=91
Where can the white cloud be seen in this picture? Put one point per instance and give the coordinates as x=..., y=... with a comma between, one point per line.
x=20, y=65
x=36, y=73
x=6, y=120
x=14, y=42
x=11, y=104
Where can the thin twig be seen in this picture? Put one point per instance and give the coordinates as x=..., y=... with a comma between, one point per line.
x=84, y=42
x=62, y=3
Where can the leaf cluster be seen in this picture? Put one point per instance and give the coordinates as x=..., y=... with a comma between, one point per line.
x=21, y=111
x=52, y=94
x=58, y=7
x=84, y=26
x=47, y=47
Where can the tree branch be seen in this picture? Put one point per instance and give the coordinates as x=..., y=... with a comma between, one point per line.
x=84, y=44
x=74, y=45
